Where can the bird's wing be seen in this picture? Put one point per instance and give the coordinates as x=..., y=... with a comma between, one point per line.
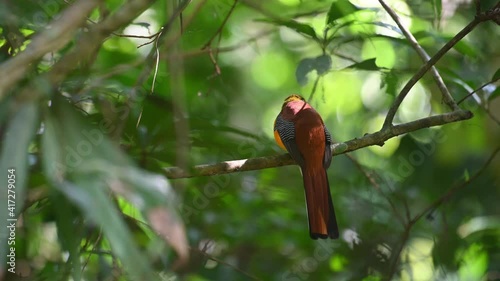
x=286, y=131
x=328, y=149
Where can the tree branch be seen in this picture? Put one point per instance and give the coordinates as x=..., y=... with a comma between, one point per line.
x=258, y=163
x=489, y=15
x=447, y=98
x=51, y=39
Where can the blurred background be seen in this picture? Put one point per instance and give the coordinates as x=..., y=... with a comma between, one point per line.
x=198, y=82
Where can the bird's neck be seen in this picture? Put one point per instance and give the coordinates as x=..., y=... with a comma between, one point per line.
x=293, y=108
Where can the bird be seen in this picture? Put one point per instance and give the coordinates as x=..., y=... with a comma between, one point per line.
x=300, y=130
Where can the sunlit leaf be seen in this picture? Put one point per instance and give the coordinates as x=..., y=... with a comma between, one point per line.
x=391, y=80
x=340, y=9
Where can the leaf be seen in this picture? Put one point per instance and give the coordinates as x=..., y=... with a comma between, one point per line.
x=495, y=94
x=305, y=66
x=466, y=175
x=465, y=48
x=340, y=9
x=321, y=64
x=391, y=80
x=301, y=28
x=392, y=27
x=443, y=252
x=438, y=6
x=88, y=193
x=496, y=76
x=66, y=220
x=168, y=226
x=368, y=64
x=14, y=155
x=84, y=165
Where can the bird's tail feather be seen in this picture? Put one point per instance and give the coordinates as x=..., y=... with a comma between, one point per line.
x=320, y=211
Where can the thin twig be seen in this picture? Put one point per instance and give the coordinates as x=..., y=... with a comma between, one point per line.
x=447, y=98
x=477, y=90
x=242, y=44
x=313, y=90
x=221, y=27
x=395, y=256
x=377, y=138
x=174, y=38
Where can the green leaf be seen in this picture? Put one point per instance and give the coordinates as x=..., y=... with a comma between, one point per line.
x=340, y=9
x=305, y=66
x=466, y=175
x=69, y=232
x=495, y=94
x=321, y=64
x=443, y=252
x=496, y=76
x=465, y=48
x=88, y=193
x=301, y=28
x=392, y=27
x=438, y=7
x=84, y=165
x=14, y=156
x=368, y=64
x=391, y=80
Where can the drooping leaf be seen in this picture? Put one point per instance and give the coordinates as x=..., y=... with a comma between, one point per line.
x=321, y=64
x=305, y=66
x=340, y=9
x=82, y=163
x=301, y=28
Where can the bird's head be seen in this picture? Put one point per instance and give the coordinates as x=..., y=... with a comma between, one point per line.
x=293, y=98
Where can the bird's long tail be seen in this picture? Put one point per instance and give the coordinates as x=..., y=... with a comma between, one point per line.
x=320, y=211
